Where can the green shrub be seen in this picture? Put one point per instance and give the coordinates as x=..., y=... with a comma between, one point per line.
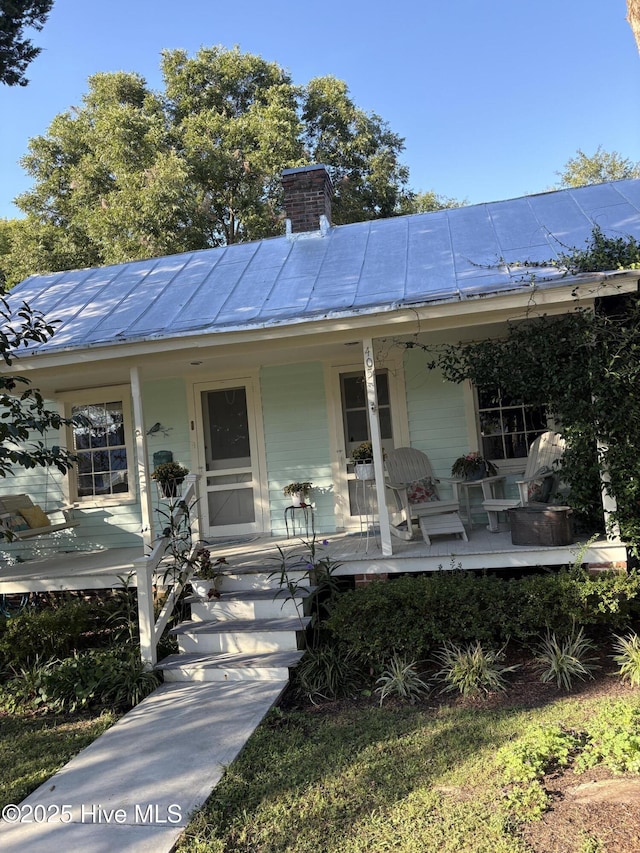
x=41, y=634
x=565, y=659
x=413, y=615
x=471, y=670
x=400, y=678
x=113, y=678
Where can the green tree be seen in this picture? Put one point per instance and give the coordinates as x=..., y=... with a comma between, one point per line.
x=133, y=173
x=16, y=51
x=633, y=16
x=601, y=166
x=22, y=408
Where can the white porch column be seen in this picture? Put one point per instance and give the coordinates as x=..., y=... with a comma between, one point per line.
x=609, y=504
x=146, y=505
x=376, y=441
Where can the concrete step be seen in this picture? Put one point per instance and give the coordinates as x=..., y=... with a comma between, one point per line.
x=240, y=635
x=250, y=604
x=273, y=666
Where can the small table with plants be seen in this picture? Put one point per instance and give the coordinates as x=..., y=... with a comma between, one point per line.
x=473, y=471
x=299, y=493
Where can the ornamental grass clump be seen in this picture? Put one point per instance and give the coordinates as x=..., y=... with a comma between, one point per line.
x=401, y=679
x=627, y=657
x=471, y=669
x=564, y=660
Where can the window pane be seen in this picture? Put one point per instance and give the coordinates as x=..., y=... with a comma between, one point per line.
x=99, y=441
x=354, y=392
x=508, y=426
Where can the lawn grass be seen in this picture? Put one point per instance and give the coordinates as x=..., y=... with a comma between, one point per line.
x=365, y=779
x=34, y=747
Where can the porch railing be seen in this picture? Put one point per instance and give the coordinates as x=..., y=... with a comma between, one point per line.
x=146, y=567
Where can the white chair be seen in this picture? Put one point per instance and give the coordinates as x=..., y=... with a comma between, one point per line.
x=415, y=489
x=538, y=481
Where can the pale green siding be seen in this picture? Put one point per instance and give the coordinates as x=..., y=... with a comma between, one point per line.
x=294, y=411
x=165, y=403
x=436, y=413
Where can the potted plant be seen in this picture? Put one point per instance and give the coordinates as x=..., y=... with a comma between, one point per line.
x=299, y=492
x=206, y=576
x=169, y=476
x=362, y=458
x=473, y=466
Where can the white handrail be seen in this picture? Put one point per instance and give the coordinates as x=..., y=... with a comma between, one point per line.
x=145, y=568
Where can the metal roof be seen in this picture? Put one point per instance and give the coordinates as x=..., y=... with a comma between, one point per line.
x=457, y=254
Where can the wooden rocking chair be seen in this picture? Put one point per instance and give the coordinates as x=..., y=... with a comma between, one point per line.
x=539, y=479
x=415, y=489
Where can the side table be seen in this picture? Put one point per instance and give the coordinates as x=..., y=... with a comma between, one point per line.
x=290, y=518
x=487, y=484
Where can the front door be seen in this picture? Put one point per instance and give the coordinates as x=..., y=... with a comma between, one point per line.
x=228, y=458
x=355, y=420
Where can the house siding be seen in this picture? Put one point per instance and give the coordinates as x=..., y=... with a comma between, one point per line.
x=165, y=402
x=297, y=440
x=436, y=414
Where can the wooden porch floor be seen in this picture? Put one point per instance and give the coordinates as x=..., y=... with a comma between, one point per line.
x=357, y=555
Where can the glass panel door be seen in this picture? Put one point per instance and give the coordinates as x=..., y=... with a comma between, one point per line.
x=355, y=419
x=229, y=461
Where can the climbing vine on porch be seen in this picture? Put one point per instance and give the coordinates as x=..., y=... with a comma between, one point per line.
x=584, y=366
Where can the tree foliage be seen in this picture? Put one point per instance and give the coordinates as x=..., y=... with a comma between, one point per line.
x=22, y=409
x=133, y=173
x=633, y=16
x=584, y=366
x=17, y=51
x=601, y=166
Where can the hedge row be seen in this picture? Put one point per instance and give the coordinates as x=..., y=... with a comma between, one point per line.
x=414, y=614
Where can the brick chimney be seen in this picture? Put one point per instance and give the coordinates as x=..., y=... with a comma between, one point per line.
x=307, y=199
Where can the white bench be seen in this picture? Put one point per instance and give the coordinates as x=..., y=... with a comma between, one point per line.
x=21, y=519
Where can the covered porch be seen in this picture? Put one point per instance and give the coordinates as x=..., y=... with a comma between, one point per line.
x=359, y=556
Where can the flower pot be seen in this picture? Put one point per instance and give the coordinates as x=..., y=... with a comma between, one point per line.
x=296, y=499
x=479, y=474
x=203, y=588
x=170, y=488
x=364, y=470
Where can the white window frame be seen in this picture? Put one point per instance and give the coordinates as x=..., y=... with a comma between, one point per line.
x=512, y=464
x=93, y=396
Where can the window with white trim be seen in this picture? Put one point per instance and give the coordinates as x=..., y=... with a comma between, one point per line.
x=508, y=426
x=101, y=442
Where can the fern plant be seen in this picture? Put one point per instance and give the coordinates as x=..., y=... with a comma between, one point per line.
x=566, y=659
x=401, y=679
x=471, y=669
x=627, y=657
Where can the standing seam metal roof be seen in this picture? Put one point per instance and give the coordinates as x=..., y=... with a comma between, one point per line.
x=456, y=254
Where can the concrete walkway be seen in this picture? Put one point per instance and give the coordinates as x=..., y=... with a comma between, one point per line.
x=133, y=788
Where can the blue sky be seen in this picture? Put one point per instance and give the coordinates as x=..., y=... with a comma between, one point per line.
x=491, y=96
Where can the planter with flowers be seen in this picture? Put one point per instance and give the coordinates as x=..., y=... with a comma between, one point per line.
x=204, y=581
x=362, y=458
x=298, y=492
x=473, y=466
x=169, y=476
